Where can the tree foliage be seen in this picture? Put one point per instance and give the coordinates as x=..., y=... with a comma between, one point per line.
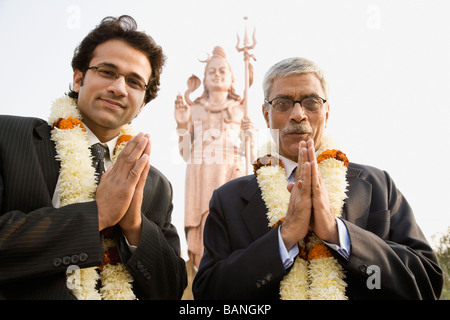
x=443, y=253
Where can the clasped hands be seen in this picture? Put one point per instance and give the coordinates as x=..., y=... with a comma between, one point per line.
x=309, y=206
x=120, y=190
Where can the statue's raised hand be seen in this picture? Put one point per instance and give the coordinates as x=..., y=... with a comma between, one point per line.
x=182, y=112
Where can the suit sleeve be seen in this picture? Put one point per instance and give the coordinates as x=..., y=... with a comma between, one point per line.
x=47, y=240
x=156, y=266
x=38, y=242
x=249, y=272
x=394, y=244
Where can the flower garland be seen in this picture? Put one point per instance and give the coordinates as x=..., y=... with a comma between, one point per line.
x=77, y=183
x=316, y=274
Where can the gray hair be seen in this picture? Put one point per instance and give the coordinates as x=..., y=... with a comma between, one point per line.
x=293, y=66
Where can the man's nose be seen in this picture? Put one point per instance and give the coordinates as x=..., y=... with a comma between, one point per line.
x=297, y=112
x=119, y=86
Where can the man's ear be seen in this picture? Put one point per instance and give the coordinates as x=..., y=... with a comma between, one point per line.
x=77, y=80
x=327, y=114
x=265, y=113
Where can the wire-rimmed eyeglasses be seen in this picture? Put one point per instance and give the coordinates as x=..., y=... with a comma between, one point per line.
x=309, y=104
x=111, y=74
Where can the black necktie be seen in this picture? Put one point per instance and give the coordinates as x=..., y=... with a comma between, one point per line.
x=98, y=152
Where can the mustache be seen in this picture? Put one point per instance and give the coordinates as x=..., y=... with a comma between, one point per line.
x=300, y=128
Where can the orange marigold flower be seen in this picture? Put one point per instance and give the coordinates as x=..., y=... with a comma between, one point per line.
x=336, y=154
x=267, y=160
x=319, y=251
x=65, y=124
x=110, y=256
x=123, y=138
x=279, y=222
x=68, y=123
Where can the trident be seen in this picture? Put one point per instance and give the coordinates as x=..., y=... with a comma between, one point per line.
x=248, y=83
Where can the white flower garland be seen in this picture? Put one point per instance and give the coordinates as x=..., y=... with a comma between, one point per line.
x=319, y=276
x=77, y=183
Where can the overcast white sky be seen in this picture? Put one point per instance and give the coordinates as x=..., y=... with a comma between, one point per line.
x=387, y=62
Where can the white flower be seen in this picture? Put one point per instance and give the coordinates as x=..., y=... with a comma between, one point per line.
x=326, y=277
x=85, y=289
x=76, y=181
x=62, y=108
x=295, y=285
x=116, y=283
x=333, y=174
x=272, y=181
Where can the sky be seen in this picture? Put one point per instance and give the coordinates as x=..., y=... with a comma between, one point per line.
x=387, y=64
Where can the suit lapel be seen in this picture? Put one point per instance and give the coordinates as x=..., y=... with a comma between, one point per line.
x=257, y=225
x=356, y=208
x=46, y=152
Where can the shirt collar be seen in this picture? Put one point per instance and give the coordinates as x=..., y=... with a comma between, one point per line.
x=92, y=139
x=289, y=165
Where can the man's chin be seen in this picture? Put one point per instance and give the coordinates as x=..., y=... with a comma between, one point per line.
x=291, y=152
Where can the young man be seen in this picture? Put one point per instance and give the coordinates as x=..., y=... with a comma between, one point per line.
x=61, y=235
x=339, y=230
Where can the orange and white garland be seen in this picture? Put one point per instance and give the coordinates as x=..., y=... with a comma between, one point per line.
x=77, y=183
x=316, y=274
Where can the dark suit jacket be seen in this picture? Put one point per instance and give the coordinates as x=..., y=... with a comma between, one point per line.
x=39, y=242
x=242, y=260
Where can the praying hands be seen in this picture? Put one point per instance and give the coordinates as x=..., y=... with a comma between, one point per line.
x=120, y=191
x=309, y=205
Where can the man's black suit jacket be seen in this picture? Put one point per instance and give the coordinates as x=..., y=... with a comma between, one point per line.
x=39, y=242
x=242, y=260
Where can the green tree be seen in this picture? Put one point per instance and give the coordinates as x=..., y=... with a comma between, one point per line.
x=443, y=253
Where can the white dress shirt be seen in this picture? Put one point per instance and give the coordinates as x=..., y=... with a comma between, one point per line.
x=288, y=257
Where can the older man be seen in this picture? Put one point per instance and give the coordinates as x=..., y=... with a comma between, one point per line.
x=309, y=224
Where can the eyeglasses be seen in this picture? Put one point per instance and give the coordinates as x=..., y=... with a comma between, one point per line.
x=309, y=104
x=112, y=75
